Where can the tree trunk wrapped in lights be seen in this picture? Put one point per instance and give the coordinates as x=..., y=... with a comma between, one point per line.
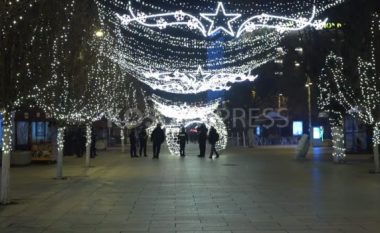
x=122, y=134
x=339, y=153
x=376, y=143
x=6, y=160
x=60, y=145
x=88, y=144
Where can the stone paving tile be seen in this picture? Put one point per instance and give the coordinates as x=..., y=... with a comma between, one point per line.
x=215, y=224
x=162, y=231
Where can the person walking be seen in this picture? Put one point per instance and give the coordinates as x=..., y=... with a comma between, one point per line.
x=182, y=140
x=133, y=141
x=202, y=138
x=157, y=137
x=213, y=138
x=143, y=138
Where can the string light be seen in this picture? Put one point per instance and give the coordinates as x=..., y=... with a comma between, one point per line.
x=61, y=138
x=14, y=12
x=339, y=153
x=376, y=134
x=280, y=23
x=7, y=132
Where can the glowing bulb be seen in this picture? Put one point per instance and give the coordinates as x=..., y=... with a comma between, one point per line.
x=99, y=33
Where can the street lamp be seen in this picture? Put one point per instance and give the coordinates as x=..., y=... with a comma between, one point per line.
x=99, y=33
x=280, y=100
x=308, y=85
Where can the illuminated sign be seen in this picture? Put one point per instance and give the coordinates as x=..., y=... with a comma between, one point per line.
x=258, y=131
x=297, y=128
x=318, y=133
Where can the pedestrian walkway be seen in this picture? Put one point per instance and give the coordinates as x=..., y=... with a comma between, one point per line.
x=245, y=190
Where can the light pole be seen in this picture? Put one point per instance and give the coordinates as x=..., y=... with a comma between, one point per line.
x=280, y=100
x=308, y=85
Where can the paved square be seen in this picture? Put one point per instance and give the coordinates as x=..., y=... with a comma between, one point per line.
x=246, y=190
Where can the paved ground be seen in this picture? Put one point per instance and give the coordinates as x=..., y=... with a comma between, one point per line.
x=246, y=190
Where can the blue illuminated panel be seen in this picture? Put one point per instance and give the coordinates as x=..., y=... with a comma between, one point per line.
x=297, y=128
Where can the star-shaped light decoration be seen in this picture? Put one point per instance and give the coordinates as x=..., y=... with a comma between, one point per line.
x=214, y=19
x=200, y=75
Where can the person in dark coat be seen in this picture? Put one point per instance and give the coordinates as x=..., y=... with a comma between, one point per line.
x=133, y=141
x=143, y=138
x=157, y=137
x=80, y=142
x=213, y=138
x=202, y=138
x=182, y=140
x=93, y=144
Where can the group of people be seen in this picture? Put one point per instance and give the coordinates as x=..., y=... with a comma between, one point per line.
x=75, y=142
x=158, y=137
x=213, y=138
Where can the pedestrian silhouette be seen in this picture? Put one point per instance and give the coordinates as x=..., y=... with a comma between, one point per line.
x=133, y=141
x=93, y=143
x=143, y=138
x=157, y=137
x=202, y=138
x=182, y=140
x=213, y=138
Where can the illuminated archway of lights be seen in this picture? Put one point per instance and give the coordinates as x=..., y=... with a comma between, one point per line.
x=164, y=42
x=182, y=114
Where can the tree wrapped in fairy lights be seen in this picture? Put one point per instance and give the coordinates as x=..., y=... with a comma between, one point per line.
x=362, y=101
x=328, y=103
x=91, y=106
x=16, y=29
x=128, y=106
x=62, y=64
x=58, y=96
